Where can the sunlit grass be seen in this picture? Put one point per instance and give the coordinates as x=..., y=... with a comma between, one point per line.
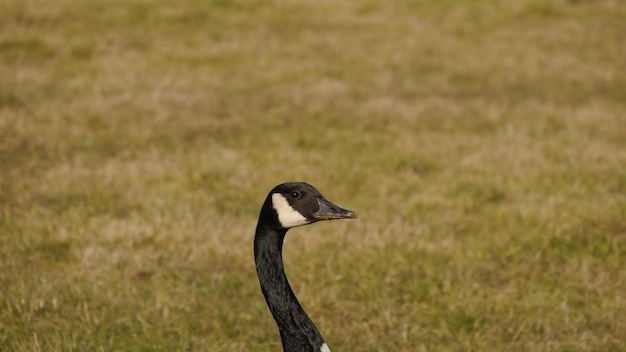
x=483, y=145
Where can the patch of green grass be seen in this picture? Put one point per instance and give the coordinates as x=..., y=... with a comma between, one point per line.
x=481, y=143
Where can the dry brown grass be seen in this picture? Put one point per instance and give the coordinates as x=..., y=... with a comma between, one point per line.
x=483, y=145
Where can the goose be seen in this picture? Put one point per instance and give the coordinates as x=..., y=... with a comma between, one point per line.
x=289, y=205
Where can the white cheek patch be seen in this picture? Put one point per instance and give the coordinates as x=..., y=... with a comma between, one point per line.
x=288, y=216
x=324, y=348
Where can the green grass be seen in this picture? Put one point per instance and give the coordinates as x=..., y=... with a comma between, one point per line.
x=483, y=144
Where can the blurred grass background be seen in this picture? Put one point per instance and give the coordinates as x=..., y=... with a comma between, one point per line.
x=483, y=144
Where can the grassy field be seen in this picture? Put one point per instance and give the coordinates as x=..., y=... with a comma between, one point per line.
x=483, y=144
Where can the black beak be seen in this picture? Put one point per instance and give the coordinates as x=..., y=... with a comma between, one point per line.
x=329, y=211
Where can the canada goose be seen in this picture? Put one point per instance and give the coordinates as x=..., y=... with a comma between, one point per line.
x=289, y=205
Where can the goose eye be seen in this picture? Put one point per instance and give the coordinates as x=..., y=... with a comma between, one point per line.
x=295, y=195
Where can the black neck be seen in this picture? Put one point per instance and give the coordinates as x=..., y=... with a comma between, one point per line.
x=297, y=331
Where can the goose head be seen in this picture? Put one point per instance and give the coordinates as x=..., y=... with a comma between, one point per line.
x=298, y=203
